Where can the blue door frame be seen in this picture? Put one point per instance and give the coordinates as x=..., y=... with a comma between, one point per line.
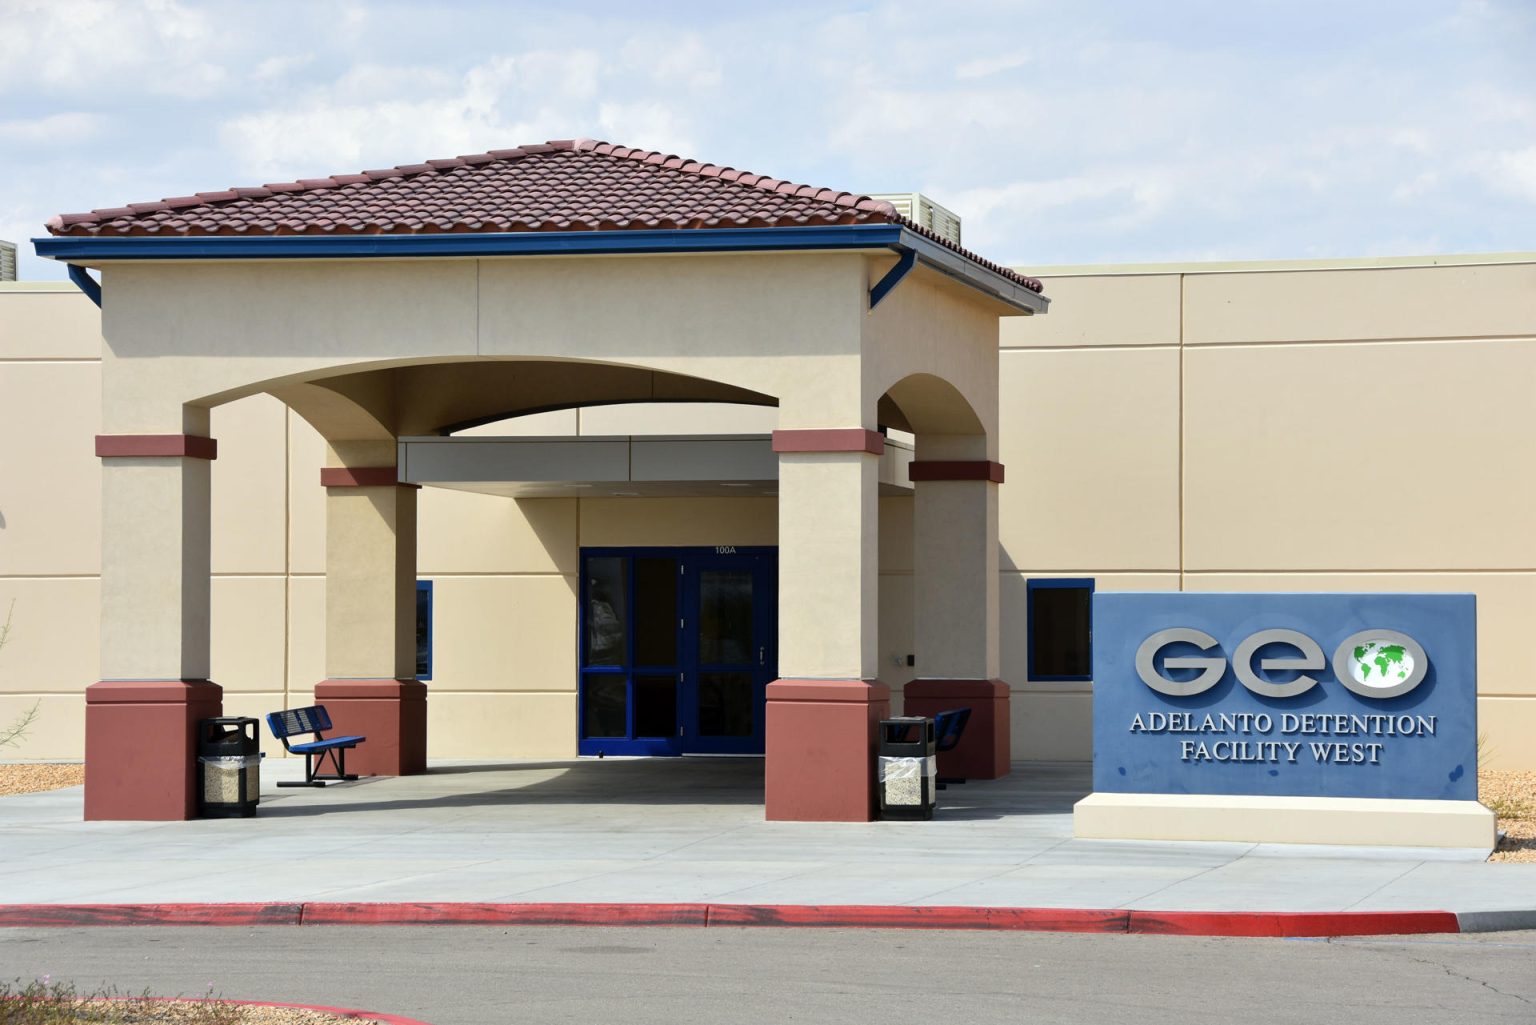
x=622, y=694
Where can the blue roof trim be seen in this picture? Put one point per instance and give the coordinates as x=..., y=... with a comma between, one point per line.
x=508, y=243
x=91, y=248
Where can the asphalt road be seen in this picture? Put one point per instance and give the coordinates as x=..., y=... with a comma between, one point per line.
x=491, y=976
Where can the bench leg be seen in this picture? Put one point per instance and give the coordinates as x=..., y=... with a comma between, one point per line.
x=339, y=761
x=313, y=763
x=309, y=775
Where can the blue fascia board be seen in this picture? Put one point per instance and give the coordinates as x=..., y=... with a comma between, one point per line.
x=90, y=248
x=521, y=243
x=947, y=261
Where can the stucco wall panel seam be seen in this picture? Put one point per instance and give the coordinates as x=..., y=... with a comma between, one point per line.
x=1310, y=342
x=1078, y=571
x=1440, y=571
x=1097, y=347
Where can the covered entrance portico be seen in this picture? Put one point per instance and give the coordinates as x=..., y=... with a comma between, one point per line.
x=828, y=306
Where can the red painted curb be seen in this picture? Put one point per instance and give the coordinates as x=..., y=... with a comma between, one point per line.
x=344, y=913
x=1292, y=923
x=64, y=915
x=831, y=916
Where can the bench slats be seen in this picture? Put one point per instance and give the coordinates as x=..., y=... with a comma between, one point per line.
x=291, y=721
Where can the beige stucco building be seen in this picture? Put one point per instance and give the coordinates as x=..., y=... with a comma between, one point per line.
x=1342, y=425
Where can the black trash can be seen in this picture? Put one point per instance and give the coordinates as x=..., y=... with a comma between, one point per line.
x=908, y=768
x=228, y=768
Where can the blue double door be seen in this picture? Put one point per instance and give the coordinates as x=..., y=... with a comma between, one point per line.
x=677, y=648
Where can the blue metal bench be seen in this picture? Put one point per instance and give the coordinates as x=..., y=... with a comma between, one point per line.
x=292, y=722
x=948, y=728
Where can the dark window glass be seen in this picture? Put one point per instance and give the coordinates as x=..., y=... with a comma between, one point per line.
x=725, y=617
x=725, y=704
x=603, y=706
x=607, y=610
x=1060, y=638
x=655, y=706
x=655, y=612
x=423, y=629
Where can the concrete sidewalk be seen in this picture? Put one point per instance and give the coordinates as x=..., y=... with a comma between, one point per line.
x=692, y=831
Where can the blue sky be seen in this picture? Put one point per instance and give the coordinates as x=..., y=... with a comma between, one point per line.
x=1063, y=132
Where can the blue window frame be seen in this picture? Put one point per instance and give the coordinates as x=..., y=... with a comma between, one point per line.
x=423, y=629
x=1060, y=629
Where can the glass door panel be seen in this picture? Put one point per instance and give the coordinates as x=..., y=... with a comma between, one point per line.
x=604, y=706
x=725, y=616
x=733, y=597
x=656, y=706
x=656, y=619
x=725, y=704
x=607, y=640
x=629, y=650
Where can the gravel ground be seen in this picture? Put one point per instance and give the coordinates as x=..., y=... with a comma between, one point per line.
x=1511, y=794
x=29, y=778
x=176, y=1012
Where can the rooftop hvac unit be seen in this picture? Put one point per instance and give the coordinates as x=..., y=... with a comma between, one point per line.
x=925, y=213
x=7, y=261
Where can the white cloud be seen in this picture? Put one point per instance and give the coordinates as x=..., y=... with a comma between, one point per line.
x=160, y=47
x=1061, y=133
x=1511, y=172
x=982, y=67
x=687, y=62
x=648, y=125
x=380, y=115
x=281, y=66
x=54, y=129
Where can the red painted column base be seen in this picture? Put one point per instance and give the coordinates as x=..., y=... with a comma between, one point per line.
x=141, y=747
x=985, y=748
x=392, y=714
x=820, y=754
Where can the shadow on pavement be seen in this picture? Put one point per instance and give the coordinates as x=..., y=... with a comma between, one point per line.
x=1032, y=789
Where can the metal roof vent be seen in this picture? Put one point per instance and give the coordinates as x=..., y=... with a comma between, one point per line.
x=7, y=261
x=924, y=212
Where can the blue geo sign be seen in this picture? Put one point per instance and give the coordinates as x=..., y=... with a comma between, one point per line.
x=1293, y=695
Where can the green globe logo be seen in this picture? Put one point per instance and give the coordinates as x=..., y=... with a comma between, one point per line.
x=1380, y=664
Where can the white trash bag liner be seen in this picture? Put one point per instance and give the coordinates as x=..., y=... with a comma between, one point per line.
x=221, y=777
x=901, y=779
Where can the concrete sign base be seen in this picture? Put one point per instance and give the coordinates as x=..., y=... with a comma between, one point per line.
x=1377, y=822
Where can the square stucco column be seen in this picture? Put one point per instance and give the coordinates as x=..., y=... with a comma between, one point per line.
x=141, y=718
x=371, y=688
x=955, y=611
x=823, y=709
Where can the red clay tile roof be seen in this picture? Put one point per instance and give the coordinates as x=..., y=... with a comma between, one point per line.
x=562, y=185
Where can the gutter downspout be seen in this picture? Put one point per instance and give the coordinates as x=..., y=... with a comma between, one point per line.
x=87, y=284
x=904, y=263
